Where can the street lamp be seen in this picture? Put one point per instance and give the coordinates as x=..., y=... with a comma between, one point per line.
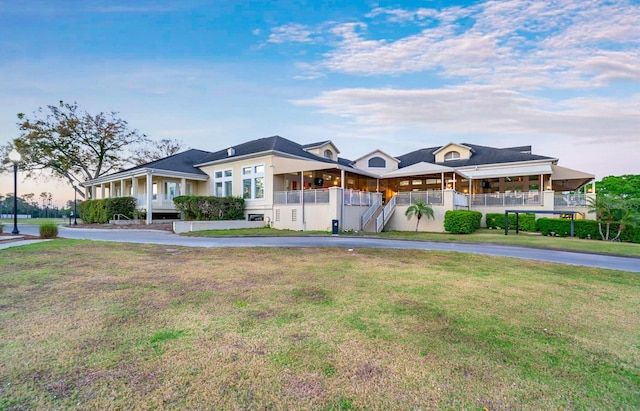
x=15, y=158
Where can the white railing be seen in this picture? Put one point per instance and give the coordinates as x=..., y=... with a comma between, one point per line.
x=570, y=200
x=141, y=201
x=387, y=211
x=506, y=199
x=370, y=211
x=320, y=196
x=359, y=198
x=316, y=196
x=427, y=197
x=460, y=200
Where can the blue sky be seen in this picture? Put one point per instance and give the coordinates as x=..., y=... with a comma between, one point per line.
x=563, y=76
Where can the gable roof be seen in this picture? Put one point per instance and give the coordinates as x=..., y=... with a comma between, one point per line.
x=182, y=162
x=481, y=155
x=373, y=152
x=263, y=145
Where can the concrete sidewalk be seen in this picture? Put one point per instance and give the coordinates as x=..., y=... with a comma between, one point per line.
x=15, y=241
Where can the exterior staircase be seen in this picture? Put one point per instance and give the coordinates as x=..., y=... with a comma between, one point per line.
x=371, y=225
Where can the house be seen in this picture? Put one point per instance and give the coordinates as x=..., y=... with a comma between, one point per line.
x=304, y=187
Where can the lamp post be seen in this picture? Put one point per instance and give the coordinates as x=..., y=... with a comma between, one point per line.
x=75, y=206
x=15, y=158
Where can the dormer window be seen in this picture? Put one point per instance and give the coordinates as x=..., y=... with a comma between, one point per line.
x=328, y=154
x=377, y=162
x=452, y=155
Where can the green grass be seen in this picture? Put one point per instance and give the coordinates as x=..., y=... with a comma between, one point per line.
x=94, y=325
x=481, y=236
x=35, y=221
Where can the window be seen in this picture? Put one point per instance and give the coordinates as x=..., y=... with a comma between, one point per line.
x=154, y=191
x=452, y=155
x=328, y=154
x=223, y=183
x=253, y=182
x=377, y=162
x=170, y=190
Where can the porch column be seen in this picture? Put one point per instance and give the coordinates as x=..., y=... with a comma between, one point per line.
x=112, y=186
x=342, y=177
x=149, y=197
x=122, y=188
x=593, y=186
x=134, y=187
x=470, y=186
x=183, y=187
x=442, y=182
x=453, y=177
x=87, y=193
x=102, y=190
x=302, y=198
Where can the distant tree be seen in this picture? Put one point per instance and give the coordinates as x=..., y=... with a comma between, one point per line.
x=72, y=144
x=419, y=209
x=156, y=150
x=626, y=186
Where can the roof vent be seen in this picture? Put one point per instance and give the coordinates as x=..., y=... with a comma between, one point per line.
x=231, y=152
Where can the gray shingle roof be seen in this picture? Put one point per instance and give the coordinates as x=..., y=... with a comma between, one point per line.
x=481, y=155
x=181, y=162
x=261, y=145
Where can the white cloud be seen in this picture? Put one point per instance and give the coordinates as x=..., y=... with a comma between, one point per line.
x=294, y=33
x=521, y=44
x=477, y=109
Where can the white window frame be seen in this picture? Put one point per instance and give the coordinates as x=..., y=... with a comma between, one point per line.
x=226, y=177
x=167, y=191
x=452, y=155
x=251, y=173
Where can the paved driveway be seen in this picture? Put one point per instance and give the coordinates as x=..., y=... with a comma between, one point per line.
x=166, y=238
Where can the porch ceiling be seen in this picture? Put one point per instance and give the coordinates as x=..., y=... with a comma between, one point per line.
x=418, y=169
x=566, y=179
x=508, y=172
x=283, y=165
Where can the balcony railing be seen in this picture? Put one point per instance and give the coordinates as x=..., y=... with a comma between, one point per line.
x=506, y=199
x=360, y=198
x=570, y=200
x=164, y=202
x=434, y=197
x=294, y=197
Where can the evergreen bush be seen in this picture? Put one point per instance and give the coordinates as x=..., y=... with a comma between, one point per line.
x=100, y=211
x=462, y=221
x=207, y=208
x=527, y=222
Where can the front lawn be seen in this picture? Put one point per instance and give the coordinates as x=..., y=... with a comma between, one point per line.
x=95, y=325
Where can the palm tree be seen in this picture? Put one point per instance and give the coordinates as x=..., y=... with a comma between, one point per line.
x=419, y=209
x=609, y=210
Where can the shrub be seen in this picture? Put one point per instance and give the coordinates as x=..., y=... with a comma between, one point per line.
x=462, y=221
x=205, y=208
x=527, y=222
x=583, y=229
x=48, y=230
x=100, y=211
x=1, y=227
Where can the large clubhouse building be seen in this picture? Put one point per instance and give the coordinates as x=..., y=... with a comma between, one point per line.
x=306, y=187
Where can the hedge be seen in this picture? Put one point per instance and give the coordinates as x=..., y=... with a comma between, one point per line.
x=100, y=211
x=462, y=221
x=527, y=222
x=206, y=208
x=584, y=229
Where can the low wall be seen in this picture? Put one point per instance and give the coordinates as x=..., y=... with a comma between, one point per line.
x=187, y=226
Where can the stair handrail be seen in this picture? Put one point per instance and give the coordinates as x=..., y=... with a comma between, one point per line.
x=366, y=217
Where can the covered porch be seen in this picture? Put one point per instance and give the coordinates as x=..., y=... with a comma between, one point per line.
x=153, y=190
